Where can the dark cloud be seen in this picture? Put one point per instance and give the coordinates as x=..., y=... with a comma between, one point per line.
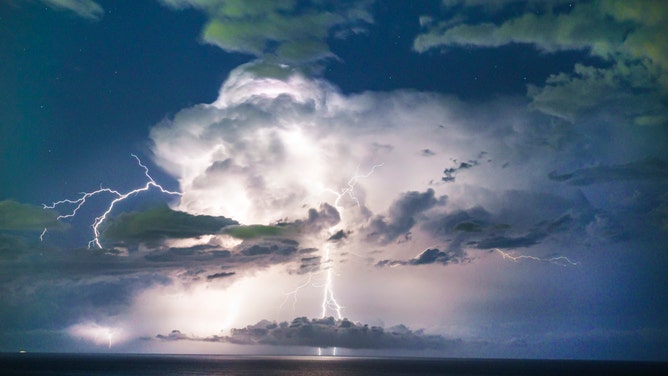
x=468, y=227
x=475, y=218
x=646, y=169
x=54, y=303
x=449, y=173
x=284, y=247
x=159, y=223
x=220, y=275
x=503, y=236
x=526, y=220
x=309, y=264
x=427, y=153
x=187, y=256
x=20, y=225
x=51, y=289
x=174, y=335
x=317, y=220
x=11, y=246
x=433, y=255
x=429, y=256
x=251, y=231
x=324, y=332
x=15, y=216
x=501, y=241
x=338, y=236
x=402, y=215
x=249, y=254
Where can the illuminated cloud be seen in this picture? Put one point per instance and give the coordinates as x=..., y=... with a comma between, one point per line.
x=98, y=334
x=293, y=31
x=84, y=8
x=273, y=153
x=270, y=147
x=440, y=212
x=273, y=148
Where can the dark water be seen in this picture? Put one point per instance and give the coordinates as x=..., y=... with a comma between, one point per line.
x=167, y=365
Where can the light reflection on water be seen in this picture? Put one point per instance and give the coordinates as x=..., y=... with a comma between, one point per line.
x=168, y=365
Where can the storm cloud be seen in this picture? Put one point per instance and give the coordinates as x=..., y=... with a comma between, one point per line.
x=488, y=184
x=429, y=256
x=324, y=332
x=402, y=215
x=159, y=223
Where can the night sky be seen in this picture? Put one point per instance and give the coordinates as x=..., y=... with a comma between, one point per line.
x=454, y=178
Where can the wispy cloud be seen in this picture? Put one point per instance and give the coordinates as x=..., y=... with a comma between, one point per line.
x=292, y=31
x=88, y=9
x=627, y=35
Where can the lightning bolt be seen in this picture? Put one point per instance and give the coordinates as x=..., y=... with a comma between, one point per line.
x=329, y=302
x=559, y=260
x=294, y=292
x=350, y=189
x=79, y=202
x=110, y=334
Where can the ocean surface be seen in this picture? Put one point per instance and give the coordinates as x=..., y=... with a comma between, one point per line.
x=167, y=365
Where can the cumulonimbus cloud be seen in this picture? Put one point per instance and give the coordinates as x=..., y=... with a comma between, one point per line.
x=272, y=148
x=269, y=147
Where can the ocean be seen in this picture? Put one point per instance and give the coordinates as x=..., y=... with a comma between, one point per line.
x=167, y=365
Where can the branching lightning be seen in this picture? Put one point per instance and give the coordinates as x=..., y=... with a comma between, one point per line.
x=79, y=202
x=329, y=302
x=294, y=292
x=350, y=189
x=559, y=260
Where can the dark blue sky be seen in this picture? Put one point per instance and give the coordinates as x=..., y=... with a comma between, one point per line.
x=84, y=94
x=492, y=172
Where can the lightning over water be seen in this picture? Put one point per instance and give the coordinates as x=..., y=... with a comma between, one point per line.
x=330, y=305
x=329, y=302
